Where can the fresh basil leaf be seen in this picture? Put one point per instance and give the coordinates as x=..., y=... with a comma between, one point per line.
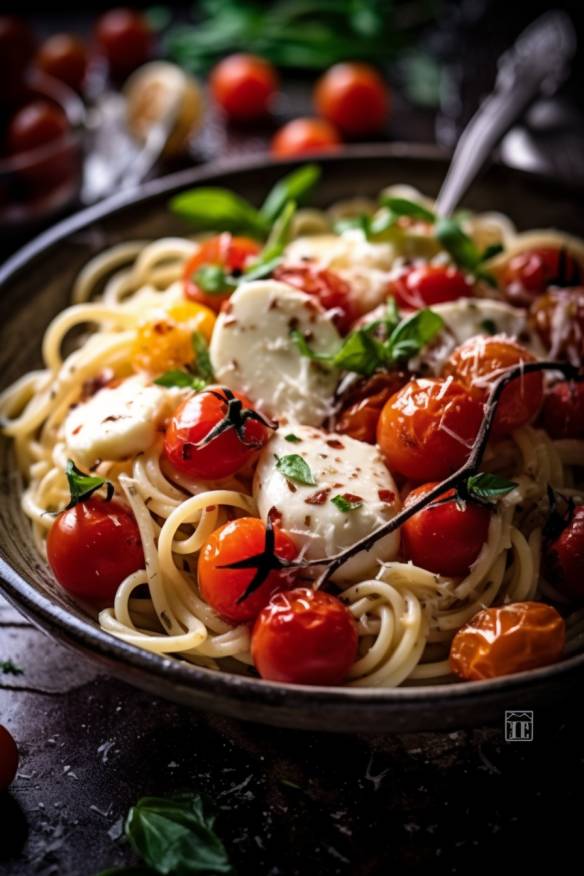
x=403, y=207
x=360, y=352
x=7, y=667
x=345, y=505
x=296, y=469
x=176, y=836
x=293, y=439
x=82, y=486
x=487, y=487
x=202, y=367
x=293, y=187
x=489, y=252
x=413, y=333
x=215, y=209
x=348, y=223
x=213, y=280
x=304, y=349
x=181, y=379
x=458, y=244
x=271, y=255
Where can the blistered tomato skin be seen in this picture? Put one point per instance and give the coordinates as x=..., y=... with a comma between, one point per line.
x=531, y=273
x=511, y=638
x=480, y=362
x=8, y=759
x=92, y=547
x=326, y=286
x=563, y=410
x=426, y=285
x=363, y=404
x=564, y=558
x=445, y=538
x=221, y=588
x=426, y=430
x=233, y=254
x=304, y=637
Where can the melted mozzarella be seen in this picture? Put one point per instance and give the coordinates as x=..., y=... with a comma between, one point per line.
x=340, y=465
x=252, y=352
x=117, y=422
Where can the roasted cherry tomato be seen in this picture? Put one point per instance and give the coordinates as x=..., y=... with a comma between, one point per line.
x=562, y=414
x=531, y=273
x=558, y=318
x=304, y=636
x=354, y=98
x=512, y=638
x=196, y=418
x=125, y=39
x=426, y=430
x=422, y=286
x=233, y=254
x=64, y=57
x=332, y=291
x=480, y=362
x=244, y=86
x=92, y=547
x=445, y=537
x=166, y=343
x=362, y=404
x=36, y=124
x=305, y=137
x=222, y=588
x=564, y=558
x=8, y=759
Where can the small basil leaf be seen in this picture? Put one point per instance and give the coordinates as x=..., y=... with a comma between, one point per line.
x=345, y=505
x=213, y=280
x=203, y=367
x=82, y=486
x=293, y=439
x=176, y=836
x=413, y=333
x=360, y=352
x=304, y=349
x=458, y=244
x=181, y=379
x=486, y=487
x=215, y=209
x=296, y=469
x=403, y=207
x=348, y=223
x=7, y=667
x=293, y=187
x=491, y=251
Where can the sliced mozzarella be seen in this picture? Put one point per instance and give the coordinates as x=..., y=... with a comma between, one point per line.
x=117, y=422
x=340, y=466
x=252, y=351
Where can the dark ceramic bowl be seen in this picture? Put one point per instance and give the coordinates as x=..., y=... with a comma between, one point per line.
x=36, y=285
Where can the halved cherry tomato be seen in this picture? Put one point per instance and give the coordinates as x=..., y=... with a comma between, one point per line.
x=244, y=86
x=222, y=588
x=445, y=537
x=194, y=420
x=92, y=547
x=36, y=124
x=64, y=57
x=558, y=318
x=362, y=404
x=354, y=98
x=304, y=636
x=424, y=285
x=564, y=558
x=8, y=758
x=328, y=287
x=562, y=414
x=426, y=430
x=305, y=137
x=531, y=273
x=480, y=362
x=231, y=253
x=512, y=638
x=125, y=39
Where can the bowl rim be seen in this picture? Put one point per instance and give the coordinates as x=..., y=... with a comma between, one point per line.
x=82, y=633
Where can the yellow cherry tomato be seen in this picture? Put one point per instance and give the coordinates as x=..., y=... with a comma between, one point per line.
x=167, y=342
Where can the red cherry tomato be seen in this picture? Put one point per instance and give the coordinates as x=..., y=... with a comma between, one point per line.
x=229, y=252
x=305, y=137
x=423, y=286
x=328, y=287
x=64, y=57
x=512, y=638
x=354, y=98
x=363, y=402
x=92, y=547
x=221, y=588
x=530, y=273
x=304, y=636
x=558, y=318
x=36, y=124
x=564, y=558
x=125, y=39
x=17, y=45
x=194, y=419
x=8, y=759
x=426, y=430
x=478, y=364
x=562, y=414
x=244, y=86
x=445, y=538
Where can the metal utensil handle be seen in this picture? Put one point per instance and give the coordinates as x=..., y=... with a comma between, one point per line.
x=537, y=63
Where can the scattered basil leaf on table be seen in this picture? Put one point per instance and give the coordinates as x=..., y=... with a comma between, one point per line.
x=345, y=505
x=82, y=486
x=296, y=469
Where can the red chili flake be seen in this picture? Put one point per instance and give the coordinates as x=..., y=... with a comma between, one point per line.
x=386, y=496
x=291, y=486
x=162, y=328
x=275, y=515
x=90, y=387
x=335, y=444
x=318, y=498
x=351, y=497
